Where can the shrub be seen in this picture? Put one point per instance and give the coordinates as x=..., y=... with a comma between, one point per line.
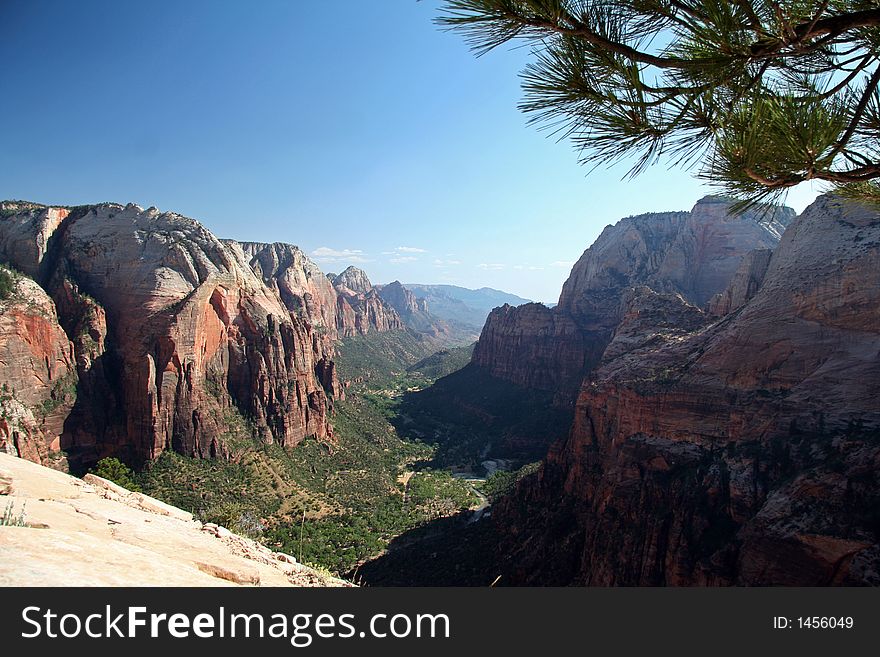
x=503, y=482
x=7, y=283
x=116, y=471
x=235, y=517
x=9, y=519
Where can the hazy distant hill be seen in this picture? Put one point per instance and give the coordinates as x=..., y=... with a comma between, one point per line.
x=461, y=305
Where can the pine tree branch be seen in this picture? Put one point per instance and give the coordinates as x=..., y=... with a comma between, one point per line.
x=859, y=111
x=839, y=24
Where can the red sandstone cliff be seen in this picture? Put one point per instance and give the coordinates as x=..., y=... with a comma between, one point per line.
x=742, y=450
x=692, y=254
x=302, y=286
x=37, y=375
x=414, y=312
x=171, y=326
x=359, y=307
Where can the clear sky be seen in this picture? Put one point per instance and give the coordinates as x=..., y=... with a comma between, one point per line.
x=355, y=129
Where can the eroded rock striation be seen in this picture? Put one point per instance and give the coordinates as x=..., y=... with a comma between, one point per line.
x=745, y=450
x=38, y=376
x=302, y=286
x=360, y=308
x=92, y=532
x=690, y=254
x=172, y=328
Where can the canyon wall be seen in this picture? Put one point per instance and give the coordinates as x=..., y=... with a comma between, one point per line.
x=360, y=308
x=38, y=375
x=741, y=449
x=692, y=254
x=172, y=328
x=414, y=312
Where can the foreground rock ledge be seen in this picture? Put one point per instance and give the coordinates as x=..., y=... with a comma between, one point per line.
x=94, y=533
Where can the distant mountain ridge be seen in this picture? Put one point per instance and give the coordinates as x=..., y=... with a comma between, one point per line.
x=462, y=306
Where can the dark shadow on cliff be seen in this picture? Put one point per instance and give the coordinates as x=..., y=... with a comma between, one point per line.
x=456, y=551
x=95, y=426
x=472, y=416
x=444, y=552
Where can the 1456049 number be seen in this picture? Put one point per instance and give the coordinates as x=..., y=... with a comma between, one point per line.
x=825, y=622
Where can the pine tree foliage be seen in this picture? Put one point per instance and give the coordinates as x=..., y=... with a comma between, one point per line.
x=763, y=95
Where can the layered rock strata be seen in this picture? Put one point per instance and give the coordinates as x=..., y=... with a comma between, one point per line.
x=691, y=254
x=743, y=451
x=172, y=328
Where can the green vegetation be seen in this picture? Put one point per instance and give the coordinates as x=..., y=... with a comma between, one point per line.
x=116, y=471
x=766, y=94
x=502, y=482
x=63, y=391
x=7, y=398
x=9, y=517
x=443, y=362
x=332, y=503
x=339, y=501
x=7, y=283
x=381, y=358
x=11, y=208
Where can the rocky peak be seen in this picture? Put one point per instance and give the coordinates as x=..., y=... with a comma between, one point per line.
x=191, y=331
x=403, y=301
x=688, y=255
x=25, y=231
x=414, y=311
x=742, y=452
x=353, y=279
x=133, y=260
x=305, y=290
x=694, y=254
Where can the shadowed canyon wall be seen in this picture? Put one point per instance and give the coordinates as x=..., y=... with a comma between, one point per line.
x=168, y=327
x=742, y=450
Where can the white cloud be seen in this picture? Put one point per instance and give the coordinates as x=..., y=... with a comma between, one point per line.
x=491, y=266
x=326, y=254
x=528, y=267
x=446, y=263
x=401, y=254
x=564, y=264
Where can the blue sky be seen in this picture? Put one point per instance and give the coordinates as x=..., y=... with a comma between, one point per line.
x=357, y=130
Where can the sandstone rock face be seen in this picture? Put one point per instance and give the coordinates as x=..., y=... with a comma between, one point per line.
x=353, y=279
x=359, y=307
x=536, y=347
x=361, y=313
x=403, y=301
x=744, y=285
x=171, y=327
x=414, y=311
x=307, y=294
x=94, y=533
x=300, y=284
x=692, y=254
x=742, y=450
x=26, y=234
x=38, y=377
